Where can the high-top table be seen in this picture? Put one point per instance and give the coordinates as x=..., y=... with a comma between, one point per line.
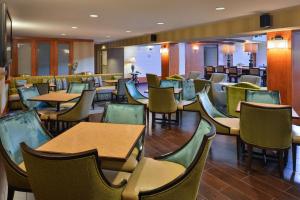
x=294, y=113
x=55, y=97
x=113, y=141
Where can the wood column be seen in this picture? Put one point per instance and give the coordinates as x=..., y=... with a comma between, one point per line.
x=169, y=60
x=194, y=59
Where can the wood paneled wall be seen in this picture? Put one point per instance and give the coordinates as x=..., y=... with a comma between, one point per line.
x=170, y=60
x=194, y=59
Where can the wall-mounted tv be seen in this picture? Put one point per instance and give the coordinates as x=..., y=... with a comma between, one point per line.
x=5, y=36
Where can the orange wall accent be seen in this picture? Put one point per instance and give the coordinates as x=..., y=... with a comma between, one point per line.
x=280, y=68
x=296, y=70
x=194, y=59
x=174, y=59
x=165, y=61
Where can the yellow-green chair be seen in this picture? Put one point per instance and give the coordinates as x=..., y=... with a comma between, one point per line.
x=173, y=176
x=237, y=93
x=153, y=80
x=69, y=176
x=200, y=84
x=125, y=114
x=14, y=129
x=267, y=128
x=162, y=101
x=263, y=96
x=120, y=92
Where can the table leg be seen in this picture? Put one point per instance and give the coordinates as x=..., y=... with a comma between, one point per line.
x=57, y=107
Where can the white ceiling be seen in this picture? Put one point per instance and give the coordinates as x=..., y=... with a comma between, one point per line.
x=51, y=18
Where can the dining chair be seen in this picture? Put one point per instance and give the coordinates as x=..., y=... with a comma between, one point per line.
x=218, y=77
x=250, y=79
x=175, y=175
x=195, y=75
x=200, y=85
x=75, y=176
x=43, y=88
x=255, y=71
x=125, y=114
x=234, y=74
x=172, y=83
x=295, y=143
x=133, y=94
x=188, y=90
x=208, y=71
x=263, y=96
x=120, y=92
x=266, y=128
x=162, y=101
x=152, y=80
x=14, y=129
x=77, y=88
x=59, y=84
x=220, y=69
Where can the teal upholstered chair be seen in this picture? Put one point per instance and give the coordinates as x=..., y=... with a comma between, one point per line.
x=170, y=83
x=188, y=90
x=77, y=88
x=133, y=94
x=69, y=176
x=120, y=92
x=43, y=88
x=27, y=93
x=14, y=129
x=266, y=128
x=173, y=176
x=263, y=96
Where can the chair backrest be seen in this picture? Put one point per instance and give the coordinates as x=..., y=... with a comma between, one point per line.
x=20, y=82
x=263, y=96
x=188, y=90
x=68, y=176
x=200, y=85
x=233, y=70
x=59, y=84
x=43, y=88
x=220, y=69
x=153, y=80
x=218, y=77
x=192, y=155
x=169, y=83
x=124, y=114
x=21, y=127
x=121, y=87
x=236, y=94
x=162, y=100
x=65, y=83
x=27, y=93
x=132, y=93
x=209, y=69
x=207, y=108
x=81, y=109
x=195, y=75
x=267, y=127
x=255, y=71
x=77, y=88
x=250, y=79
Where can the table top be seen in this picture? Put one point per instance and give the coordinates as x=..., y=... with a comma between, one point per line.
x=294, y=113
x=113, y=141
x=176, y=90
x=111, y=81
x=55, y=97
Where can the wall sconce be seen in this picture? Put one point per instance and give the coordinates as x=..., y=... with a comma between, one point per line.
x=103, y=47
x=164, y=50
x=250, y=48
x=278, y=43
x=228, y=49
x=195, y=47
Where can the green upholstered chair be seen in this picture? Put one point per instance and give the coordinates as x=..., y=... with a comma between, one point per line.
x=263, y=96
x=200, y=84
x=59, y=84
x=68, y=176
x=27, y=93
x=65, y=84
x=266, y=128
x=77, y=88
x=125, y=114
x=218, y=77
x=251, y=79
x=133, y=94
x=153, y=80
x=175, y=77
x=120, y=92
x=14, y=129
x=237, y=93
x=43, y=88
x=170, y=83
x=162, y=101
x=176, y=175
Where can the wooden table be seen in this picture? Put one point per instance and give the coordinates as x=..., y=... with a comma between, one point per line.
x=176, y=90
x=55, y=97
x=294, y=113
x=114, y=82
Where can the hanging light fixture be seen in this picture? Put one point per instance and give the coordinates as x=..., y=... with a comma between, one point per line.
x=278, y=43
x=195, y=47
x=250, y=48
x=228, y=50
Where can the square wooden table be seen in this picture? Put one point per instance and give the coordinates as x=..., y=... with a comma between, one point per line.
x=294, y=113
x=176, y=90
x=55, y=97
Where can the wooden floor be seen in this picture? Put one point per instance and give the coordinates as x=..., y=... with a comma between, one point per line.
x=223, y=178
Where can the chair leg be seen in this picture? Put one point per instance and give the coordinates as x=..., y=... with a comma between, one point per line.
x=249, y=162
x=281, y=162
x=153, y=119
x=169, y=119
x=238, y=147
x=294, y=152
x=10, y=193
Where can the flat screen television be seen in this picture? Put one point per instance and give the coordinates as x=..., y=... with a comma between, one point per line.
x=5, y=37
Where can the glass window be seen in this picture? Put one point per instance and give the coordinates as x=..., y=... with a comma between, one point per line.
x=63, y=59
x=24, y=58
x=43, y=61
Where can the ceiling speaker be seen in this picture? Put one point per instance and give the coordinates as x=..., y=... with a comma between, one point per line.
x=265, y=21
x=153, y=37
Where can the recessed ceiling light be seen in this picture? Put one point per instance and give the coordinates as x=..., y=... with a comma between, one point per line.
x=108, y=36
x=220, y=8
x=74, y=27
x=63, y=34
x=128, y=31
x=160, y=23
x=94, y=16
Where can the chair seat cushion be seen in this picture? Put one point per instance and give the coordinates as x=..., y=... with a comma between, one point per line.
x=67, y=105
x=45, y=113
x=14, y=97
x=232, y=123
x=296, y=134
x=105, y=89
x=151, y=174
x=127, y=166
x=143, y=101
x=183, y=103
x=116, y=177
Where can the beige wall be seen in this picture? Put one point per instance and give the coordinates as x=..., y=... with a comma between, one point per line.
x=84, y=55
